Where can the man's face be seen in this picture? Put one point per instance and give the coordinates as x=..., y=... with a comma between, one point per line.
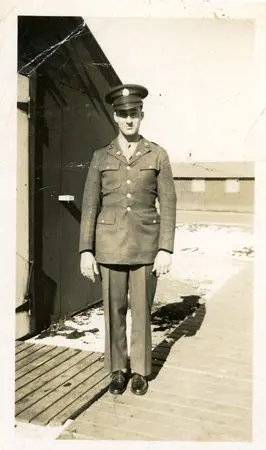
x=129, y=120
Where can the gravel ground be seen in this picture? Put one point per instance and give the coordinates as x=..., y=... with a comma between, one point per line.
x=205, y=257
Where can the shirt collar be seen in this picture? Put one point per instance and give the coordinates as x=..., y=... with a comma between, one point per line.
x=142, y=148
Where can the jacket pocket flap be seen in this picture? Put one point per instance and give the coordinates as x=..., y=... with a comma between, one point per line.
x=106, y=220
x=149, y=164
x=109, y=165
x=151, y=220
x=148, y=167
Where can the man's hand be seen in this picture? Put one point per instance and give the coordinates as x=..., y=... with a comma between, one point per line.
x=162, y=263
x=88, y=265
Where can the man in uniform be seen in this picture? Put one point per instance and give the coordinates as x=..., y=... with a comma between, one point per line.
x=124, y=235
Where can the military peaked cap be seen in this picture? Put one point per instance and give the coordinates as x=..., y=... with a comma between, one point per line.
x=126, y=96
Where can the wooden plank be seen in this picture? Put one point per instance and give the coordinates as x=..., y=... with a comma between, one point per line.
x=18, y=343
x=208, y=399
x=83, y=401
x=172, y=375
x=175, y=372
x=22, y=347
x=216, y=391
x=20, y=373
x=88, y=390
x=135, y=411
x=179, y=411
x=28, y=351
x=33, y=356
x=237, y=416
x=243, y=360
x=103, y=422
x=229, y=370
x=52, y=380
x=170, y=413
x=28, y=373
x=117, y=410
x=48, y=370
x=129, y=423
x=65, y=395
x=38, y=401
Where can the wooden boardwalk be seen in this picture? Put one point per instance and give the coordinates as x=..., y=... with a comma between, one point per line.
x=202, y=388
x=54, y=384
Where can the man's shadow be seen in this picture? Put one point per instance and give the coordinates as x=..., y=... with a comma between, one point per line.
x=180, y=319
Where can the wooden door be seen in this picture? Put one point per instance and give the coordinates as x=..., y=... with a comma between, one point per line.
x=70, y=122
x=81, y=124
x=69, y=127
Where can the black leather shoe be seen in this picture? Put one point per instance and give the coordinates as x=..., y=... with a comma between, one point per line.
x=118, y=383
x=139, y=384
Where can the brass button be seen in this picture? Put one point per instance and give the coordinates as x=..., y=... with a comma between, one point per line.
x=128, y=181
x=138, y=153
x=154, y=221
x=103, y=221
x=128, y=168
x=128, y=208
x=118, y=153
x=129, y=195
x=107, y=167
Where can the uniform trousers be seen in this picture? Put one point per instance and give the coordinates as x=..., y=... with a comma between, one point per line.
x=140, y=282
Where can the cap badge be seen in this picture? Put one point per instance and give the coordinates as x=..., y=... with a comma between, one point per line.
x=125, y=92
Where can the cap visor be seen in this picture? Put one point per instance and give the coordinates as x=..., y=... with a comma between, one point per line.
x=127, y=106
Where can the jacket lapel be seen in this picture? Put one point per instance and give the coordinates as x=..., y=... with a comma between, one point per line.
x=114, y=150
x=141, y=150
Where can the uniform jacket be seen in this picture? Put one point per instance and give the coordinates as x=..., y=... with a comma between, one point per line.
x=120, y=223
